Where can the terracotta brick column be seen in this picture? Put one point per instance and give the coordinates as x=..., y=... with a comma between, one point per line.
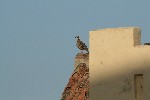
x=78, y=85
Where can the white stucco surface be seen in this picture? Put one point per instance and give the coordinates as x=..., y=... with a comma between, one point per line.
x=116, y=56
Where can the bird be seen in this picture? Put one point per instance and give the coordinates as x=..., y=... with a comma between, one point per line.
x=81, y=45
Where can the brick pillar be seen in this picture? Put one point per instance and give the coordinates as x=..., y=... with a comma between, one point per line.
x=78, y=85
x=81, y=58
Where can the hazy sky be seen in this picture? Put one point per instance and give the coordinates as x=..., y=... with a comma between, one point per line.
x=37, y=44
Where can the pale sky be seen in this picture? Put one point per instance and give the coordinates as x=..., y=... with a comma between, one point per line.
x=37, y=44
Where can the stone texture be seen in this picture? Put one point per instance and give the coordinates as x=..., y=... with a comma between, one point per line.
x=78, y=85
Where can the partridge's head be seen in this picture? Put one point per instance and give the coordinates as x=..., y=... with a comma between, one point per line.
x=77, y=37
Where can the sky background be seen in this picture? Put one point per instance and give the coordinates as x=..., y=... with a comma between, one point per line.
x=37, y=44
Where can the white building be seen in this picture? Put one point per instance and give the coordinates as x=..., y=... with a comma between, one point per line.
x=119, y=65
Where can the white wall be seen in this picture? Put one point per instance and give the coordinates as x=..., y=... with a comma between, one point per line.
x=116, y=55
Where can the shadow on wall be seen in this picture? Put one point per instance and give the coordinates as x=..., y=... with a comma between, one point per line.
x=126, y=79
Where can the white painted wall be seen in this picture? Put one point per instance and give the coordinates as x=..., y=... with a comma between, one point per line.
x=116, y=55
